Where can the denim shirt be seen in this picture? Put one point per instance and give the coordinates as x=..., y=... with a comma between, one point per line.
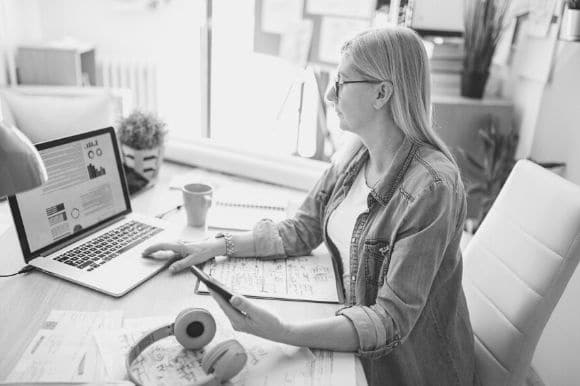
x=406, y=301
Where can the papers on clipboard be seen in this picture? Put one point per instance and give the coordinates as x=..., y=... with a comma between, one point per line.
x=306, y=278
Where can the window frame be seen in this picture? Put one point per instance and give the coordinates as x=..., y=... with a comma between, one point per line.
x=286, y=170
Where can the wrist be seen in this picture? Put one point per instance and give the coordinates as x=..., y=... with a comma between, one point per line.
x=217, y=247
x=288, y=333
x=228, y=241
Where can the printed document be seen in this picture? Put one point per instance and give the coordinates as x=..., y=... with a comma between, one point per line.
x=91, y=347
x=64, y=350
x=167, y=363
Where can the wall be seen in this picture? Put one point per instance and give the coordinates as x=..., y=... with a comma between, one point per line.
x=557, y=137
x=547, y=114
x=19, y=21
x=168, y=37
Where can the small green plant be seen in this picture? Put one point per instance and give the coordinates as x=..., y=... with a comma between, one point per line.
x=493, y=169
x=141, y=130
x=573, y=4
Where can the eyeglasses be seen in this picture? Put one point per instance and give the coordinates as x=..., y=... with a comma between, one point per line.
x=338, y=83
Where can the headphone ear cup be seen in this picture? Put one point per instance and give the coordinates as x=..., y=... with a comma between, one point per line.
x=225, y=360
x=194, y=328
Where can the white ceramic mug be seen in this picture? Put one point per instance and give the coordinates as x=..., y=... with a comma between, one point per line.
x=197, y=198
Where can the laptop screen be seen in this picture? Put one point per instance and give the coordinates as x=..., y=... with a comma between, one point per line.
x=85, y=188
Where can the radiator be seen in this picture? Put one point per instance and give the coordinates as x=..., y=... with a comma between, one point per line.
x=140, y=78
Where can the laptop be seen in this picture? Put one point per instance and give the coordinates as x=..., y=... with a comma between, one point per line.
x=79, y=225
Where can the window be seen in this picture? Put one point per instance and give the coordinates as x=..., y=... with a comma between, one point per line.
x=255, y=97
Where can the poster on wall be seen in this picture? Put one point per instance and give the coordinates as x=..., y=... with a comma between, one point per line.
x=334, y=31
x=279, y=15
x=295, y=42
x=540, y=17
x=350, y=8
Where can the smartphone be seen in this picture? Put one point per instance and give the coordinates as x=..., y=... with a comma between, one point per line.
x=211, y=283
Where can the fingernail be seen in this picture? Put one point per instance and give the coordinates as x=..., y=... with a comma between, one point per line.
x=236, y=301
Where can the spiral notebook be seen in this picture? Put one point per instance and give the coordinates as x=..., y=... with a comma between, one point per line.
x=238, y=204
x=242, y=215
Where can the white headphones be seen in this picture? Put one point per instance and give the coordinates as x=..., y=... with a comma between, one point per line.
x=194, y=328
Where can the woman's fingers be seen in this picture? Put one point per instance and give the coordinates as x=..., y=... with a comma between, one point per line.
x=181, y=264
x=178, y=248
x=187, y=261
x=236, y=318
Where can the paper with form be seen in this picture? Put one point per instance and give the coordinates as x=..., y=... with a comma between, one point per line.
x=309, y=278
x=332, y=369
x=64, y=349
x=90, y=347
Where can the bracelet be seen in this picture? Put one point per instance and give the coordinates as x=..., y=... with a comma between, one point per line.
x=229, y=242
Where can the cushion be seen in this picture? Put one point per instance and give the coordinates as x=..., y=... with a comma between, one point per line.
x=45, y=117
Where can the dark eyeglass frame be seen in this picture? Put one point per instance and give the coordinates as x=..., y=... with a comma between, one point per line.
x=338, y=83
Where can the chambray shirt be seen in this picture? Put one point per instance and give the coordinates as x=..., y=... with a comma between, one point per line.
x=406, y=301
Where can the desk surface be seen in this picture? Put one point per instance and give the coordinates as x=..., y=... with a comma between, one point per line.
x=26, y=300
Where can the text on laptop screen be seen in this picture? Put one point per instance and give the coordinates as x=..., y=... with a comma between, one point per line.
x=84, y=188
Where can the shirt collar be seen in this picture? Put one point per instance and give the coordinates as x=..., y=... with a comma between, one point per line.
x=387, y=185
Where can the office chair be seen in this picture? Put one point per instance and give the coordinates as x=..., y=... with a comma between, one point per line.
x=516, y=268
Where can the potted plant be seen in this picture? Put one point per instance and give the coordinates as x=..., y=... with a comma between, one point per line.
x=483, y=22
x=570, y=29
x=492, y=170
x=142, y=141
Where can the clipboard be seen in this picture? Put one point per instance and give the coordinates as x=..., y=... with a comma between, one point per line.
x=306, y=278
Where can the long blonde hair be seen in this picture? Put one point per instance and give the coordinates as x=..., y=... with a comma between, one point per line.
x=397, y=54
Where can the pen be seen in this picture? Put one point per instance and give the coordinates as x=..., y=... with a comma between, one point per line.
x=161, y=215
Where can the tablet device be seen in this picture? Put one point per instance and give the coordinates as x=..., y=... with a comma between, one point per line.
x=211, y=283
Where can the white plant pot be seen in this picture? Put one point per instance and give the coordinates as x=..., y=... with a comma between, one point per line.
x=145, y=162
x=570, y=29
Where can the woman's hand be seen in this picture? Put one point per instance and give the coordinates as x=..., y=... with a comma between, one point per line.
x=247, y=317
x=186, y=254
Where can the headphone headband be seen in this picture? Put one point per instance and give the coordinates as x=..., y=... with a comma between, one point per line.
x=194, y=328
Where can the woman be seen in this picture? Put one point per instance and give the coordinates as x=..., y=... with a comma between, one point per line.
x=391, y=213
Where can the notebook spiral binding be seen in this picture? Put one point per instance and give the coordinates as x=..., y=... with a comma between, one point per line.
x=248, y=205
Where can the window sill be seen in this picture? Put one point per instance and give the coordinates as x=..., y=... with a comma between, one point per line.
x=288, y=171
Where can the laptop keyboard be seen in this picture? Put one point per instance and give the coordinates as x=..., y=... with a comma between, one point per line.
x=98, y=251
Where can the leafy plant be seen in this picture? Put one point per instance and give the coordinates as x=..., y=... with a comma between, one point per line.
x=483, y=22
x=141, y=130
x=493, y=169
x=573, y=4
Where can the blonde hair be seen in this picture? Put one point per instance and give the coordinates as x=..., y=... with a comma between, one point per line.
x=398, y=55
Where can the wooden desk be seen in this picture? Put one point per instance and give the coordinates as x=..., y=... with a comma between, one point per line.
x=26, y=300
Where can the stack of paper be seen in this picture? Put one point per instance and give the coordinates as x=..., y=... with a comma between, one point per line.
x=64, y=351
x=75, y=347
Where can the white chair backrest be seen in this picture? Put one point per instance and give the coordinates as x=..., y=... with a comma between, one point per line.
x=516, y=268
x=48, y=112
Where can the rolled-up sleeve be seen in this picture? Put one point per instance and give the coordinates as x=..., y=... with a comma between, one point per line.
x=430, y=221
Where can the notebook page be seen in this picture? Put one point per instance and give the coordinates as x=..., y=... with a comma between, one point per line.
x=306, y=278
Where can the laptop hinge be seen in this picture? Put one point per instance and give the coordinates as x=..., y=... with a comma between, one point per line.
x=84, y=235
